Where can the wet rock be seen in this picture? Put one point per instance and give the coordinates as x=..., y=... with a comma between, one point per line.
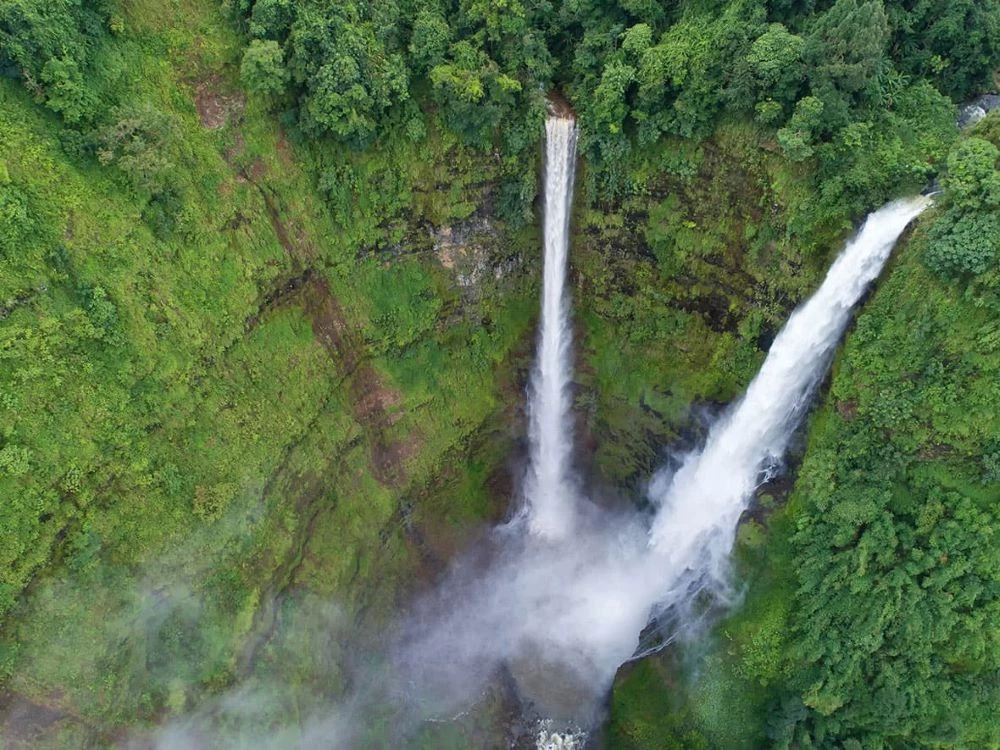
x=472, y=251
x=977, y=109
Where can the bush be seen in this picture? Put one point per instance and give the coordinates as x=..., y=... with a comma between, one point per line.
x=965, y=239
x=973, y=181
x=139, y=141
x=963, y=244
x=263, y=70
x=16, y=221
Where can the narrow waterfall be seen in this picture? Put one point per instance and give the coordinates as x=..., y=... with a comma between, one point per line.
x=548, y=486
x=695, y=526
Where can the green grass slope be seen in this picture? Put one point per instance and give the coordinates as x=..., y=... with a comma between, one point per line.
x=223, y=390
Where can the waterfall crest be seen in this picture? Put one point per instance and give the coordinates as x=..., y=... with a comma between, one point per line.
x=549, y=487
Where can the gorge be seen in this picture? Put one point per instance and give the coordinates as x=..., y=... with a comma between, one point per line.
x=355, y=394
x=572, y=585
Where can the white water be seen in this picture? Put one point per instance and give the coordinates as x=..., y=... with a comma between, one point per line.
x=699, y=509
x=582, y=598
x=549, y=487
x=587, y=602
x=563, y=613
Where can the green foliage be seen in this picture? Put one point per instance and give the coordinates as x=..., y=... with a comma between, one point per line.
x=54, y=47
x=67, y=92
x=196, y=346
x=342, y=60
x=775, y=59
x=894, y=638
x=845, y=51
x=139, y=141
x=965, y=238
x=262, y=70
x=643, y=716
x=835, y=77
x=972, y=181
x=796, y=137
x=168, y=410
x=954, y=43
x=16, y=221
x=963, y=244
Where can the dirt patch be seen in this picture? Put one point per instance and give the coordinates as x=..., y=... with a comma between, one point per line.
x=374, y=405
x=22, y=722
x=215, y=104
x=290, y=234
x=387, y=460
x=558, y=105
x=285, y=149
x=235, y=150
x=848, y=410
x=256, y=171
x=329, y=325
x=374, y=402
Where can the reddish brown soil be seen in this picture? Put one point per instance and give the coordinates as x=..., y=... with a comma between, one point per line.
x=23, y=722
x=216, y=105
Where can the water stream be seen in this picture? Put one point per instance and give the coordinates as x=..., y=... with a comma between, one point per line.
x=549, y=487
x=702, y=502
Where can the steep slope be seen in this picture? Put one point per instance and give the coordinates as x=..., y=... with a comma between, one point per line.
x=869, y=617
x=219, y=393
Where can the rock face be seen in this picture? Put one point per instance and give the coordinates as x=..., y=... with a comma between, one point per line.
x=977, y=109
x=473, y=251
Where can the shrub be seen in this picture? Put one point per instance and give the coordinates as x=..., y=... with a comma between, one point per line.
x=963, y=244
x=263, y=70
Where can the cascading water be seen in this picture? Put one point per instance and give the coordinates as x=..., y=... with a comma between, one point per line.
x=561, y=613
x=605, y=585
x=549, y=487
x=694, y=528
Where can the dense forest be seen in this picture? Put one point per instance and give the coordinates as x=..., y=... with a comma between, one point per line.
x=269, y=274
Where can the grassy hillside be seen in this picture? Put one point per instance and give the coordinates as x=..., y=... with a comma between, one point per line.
x=240, y=393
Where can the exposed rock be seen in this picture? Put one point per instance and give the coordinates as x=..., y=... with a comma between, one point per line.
x=460, y=249
x=215, y=105
x=469, y=249
x=977, y=109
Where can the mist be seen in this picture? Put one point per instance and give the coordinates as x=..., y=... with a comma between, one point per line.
x=552, y=602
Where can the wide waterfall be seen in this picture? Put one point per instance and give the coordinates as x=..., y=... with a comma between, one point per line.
x=549, y=487
x=702, y=502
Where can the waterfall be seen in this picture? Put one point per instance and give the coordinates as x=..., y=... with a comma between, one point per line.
x=562, y=608
x=549, y=487
x=700, y=505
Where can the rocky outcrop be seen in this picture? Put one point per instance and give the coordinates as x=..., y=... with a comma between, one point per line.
x=473, y=251
x=977, y=109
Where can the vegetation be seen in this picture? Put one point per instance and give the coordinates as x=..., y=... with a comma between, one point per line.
x=214, y=391
x=267, y=282
x=871, y=615
x=894, y=630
